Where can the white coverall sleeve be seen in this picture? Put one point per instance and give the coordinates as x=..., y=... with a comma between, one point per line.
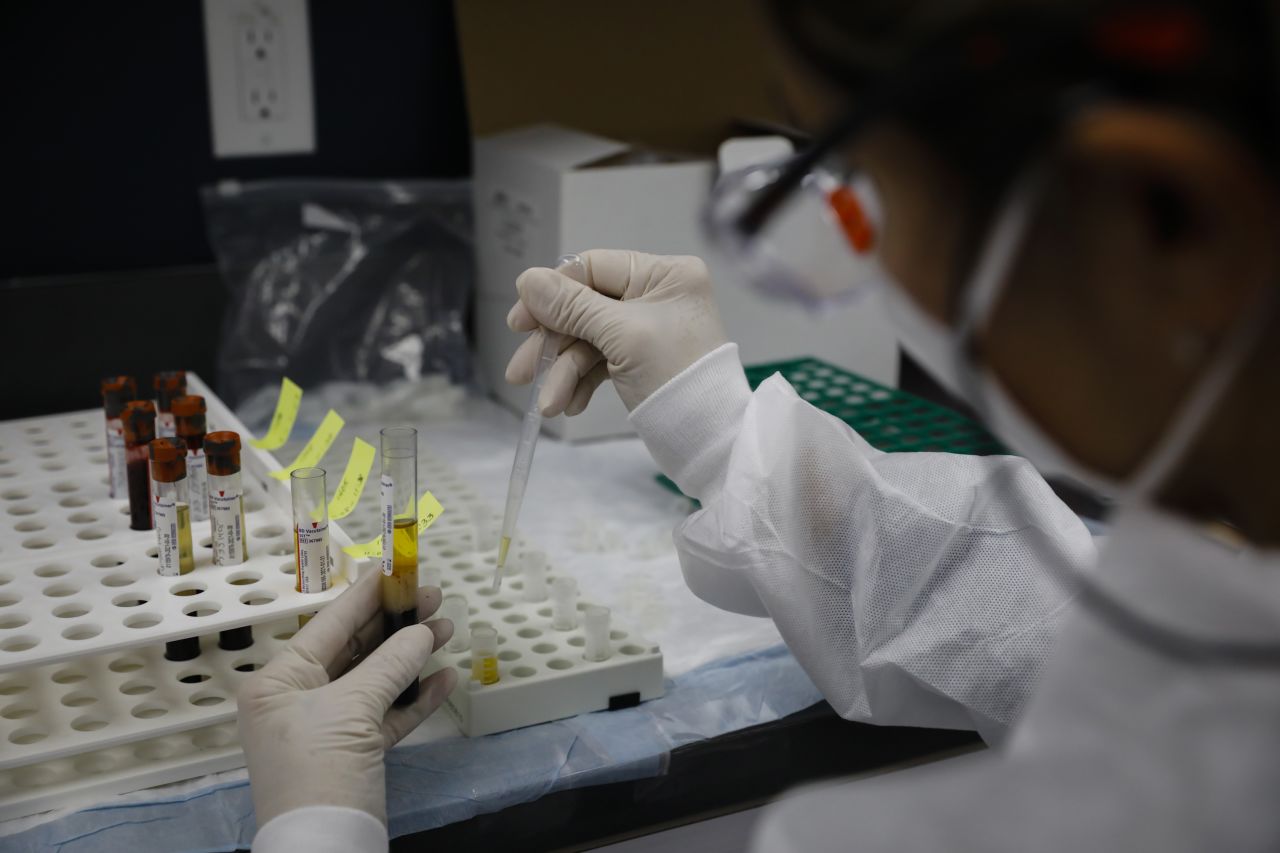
x=322, y=829
x=906, y=584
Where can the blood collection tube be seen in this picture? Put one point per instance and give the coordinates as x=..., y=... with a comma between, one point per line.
x=168, y=384
x=484, y=654
x=171, y=506
x=116, y=391
x=399, y=490
x=310, y=529
x=139, y=421
x=226, y=498
x=189, y=424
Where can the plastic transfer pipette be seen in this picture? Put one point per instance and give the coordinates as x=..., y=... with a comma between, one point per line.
x=574, y=267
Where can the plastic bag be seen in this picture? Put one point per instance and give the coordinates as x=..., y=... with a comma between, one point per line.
x=341, y=280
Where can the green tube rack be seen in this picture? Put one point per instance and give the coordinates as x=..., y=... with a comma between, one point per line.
x=890, y=420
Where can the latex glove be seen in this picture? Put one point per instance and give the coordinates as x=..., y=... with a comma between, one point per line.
x=639, y=320
x=313, y=735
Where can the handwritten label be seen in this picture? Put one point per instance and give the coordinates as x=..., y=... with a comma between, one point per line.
x=429, y=509
x=282, y=421
x=359, y=464
x=318, y=445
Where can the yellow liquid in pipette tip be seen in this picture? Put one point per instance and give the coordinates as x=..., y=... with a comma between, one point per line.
x=503, y=546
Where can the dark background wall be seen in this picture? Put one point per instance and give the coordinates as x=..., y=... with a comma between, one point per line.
x=104, y=266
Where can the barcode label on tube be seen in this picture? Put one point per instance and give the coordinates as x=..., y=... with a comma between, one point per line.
x=388, y=521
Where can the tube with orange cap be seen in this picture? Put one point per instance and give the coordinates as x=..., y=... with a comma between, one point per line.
x=168, y=384
x=189, y=424
x=139, y=421
x=116, y=391
x=226, y=498
x=171, y=506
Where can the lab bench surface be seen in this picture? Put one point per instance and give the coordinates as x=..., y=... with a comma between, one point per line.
x=724, y=774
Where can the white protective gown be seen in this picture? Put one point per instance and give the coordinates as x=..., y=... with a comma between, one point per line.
x=907, y=586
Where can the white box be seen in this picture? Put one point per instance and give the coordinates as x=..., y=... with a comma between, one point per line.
x=544, y=190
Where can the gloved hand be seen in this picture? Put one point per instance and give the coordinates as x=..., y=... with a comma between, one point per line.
x=639, y=319
x=314, y=732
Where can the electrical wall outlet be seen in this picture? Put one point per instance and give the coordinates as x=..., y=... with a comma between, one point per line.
x=259, y=58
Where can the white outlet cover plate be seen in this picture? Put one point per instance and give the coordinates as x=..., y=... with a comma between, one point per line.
x=258, y=54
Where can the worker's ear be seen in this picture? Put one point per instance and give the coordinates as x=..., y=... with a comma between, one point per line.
x=1186, y=215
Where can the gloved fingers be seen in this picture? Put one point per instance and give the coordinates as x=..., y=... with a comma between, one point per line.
x=586, y=387
x=305, y=662
x=563, y=305
x=369, y=634
x=432, y=691
x=524, y=361
x=620, y=273
x=387, y=670
x=519, y=319
x=562, y=379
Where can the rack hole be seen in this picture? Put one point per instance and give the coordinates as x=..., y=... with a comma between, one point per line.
x=76, y=501
x=631, y=649
x=29, y=526
x=199, y=609
x=156, y=750
x=94, y=763
x=20, y=643
x=4, y=579
x=207, y=698
x=212, y=738
x=528, y=633
x=193, y=676
x=126, y=664
x=258, y=597
x=91, y=533
x=107, y=561
x=485, y=591
x=153, y=552
x=523, y=671
x=36, y=543
x=131, y=599
x=501, y=604
x=70, y=675
x=187, y=588
x=560, y=663
x=51, y=570
x=148, y=710
x=17, y=711
x=205, y=542
x=14, y=495
x=514, y=618
x=509, y=655
x=71, y=610
x=143, y=620
x=21, y=509
x=243, y=578
x=473, y=578
x=247, y=666
x=288, y=569
x=544, y=648
x=28, y=735
x=8, y=599
x=544, y=612
x=83, y=631
x=253, y=505
x=269, y=532
x=279, y=550
x=119, y=579
x=283, y=635
x=60, y=590
x=65, y=487
x=79, y=698
x=14, y=686
x=617, y=635
x=137, y=688
x=13, y=620
x=577, y=641
x=34, y=777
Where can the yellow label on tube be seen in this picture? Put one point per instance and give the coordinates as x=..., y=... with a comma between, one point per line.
x=429, y=509
x=282, y=421
x=356, y=474
x=323, y=438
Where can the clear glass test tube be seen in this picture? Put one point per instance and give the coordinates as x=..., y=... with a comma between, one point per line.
x=564, y=603
x=171, y=506
x=595, y=629
x=398, y=489
x=310, y=529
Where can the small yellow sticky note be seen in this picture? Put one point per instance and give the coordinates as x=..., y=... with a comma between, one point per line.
x=282, y=421
x=318, y=445
x=429, y=509
x=356, y=474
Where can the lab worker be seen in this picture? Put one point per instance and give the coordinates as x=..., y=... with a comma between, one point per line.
x=1069, y=213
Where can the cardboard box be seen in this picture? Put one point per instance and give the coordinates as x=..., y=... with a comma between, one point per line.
x=660, y=76
x=545, y=190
